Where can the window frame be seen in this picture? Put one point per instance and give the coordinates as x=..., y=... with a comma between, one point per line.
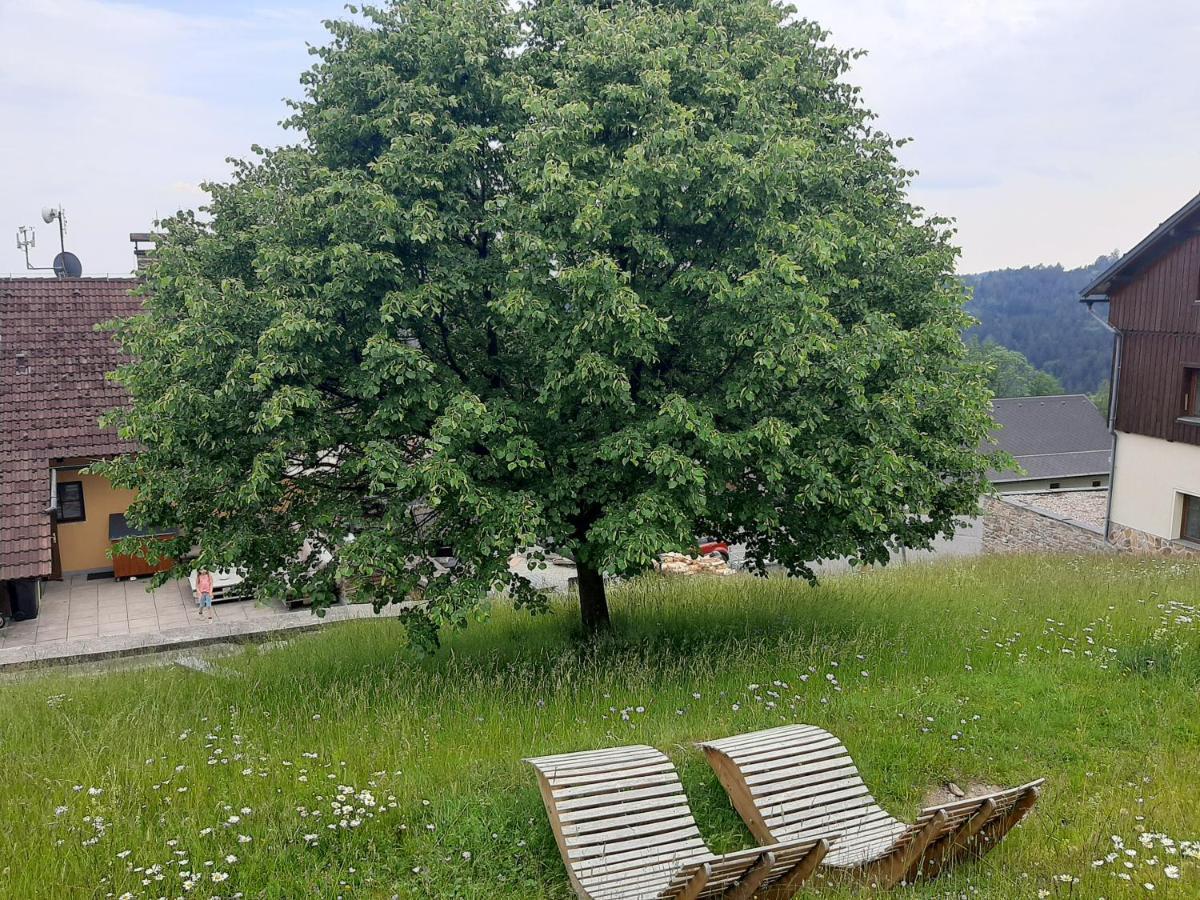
x=1188, y=501
x=1191, y=392
x=82, y=517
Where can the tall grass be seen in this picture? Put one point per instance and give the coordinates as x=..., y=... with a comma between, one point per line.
x=996, y=671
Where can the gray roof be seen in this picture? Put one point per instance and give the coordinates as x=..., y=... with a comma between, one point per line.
x=1180, y=225
x=1052, y=437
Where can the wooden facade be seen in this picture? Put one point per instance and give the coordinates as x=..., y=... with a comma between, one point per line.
x=1157, y=311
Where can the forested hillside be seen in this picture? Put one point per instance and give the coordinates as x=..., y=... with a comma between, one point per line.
x=1036, y=311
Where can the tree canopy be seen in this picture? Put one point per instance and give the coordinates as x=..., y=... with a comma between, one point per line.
x=1009, y=374
x=584, y=276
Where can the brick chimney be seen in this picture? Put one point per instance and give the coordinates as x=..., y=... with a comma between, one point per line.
x=143, y=254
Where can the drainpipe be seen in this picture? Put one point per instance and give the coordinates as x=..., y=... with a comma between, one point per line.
x=1112, y=413
x=53, y=507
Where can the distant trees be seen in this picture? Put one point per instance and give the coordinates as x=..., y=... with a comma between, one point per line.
x=1009, y=374
x=1101, y=397
x=1036, y=311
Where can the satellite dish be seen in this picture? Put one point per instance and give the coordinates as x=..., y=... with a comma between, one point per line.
x=67, y=265
x=48, y=214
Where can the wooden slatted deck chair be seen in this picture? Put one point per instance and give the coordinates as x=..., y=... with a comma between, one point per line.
x=798, y=782
x=625, y=830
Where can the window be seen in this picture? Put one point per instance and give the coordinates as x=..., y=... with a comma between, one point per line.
x=1055, y=485
x=1189, y=529
x=1095, y=484
x=1191, y=392
x=70, y=501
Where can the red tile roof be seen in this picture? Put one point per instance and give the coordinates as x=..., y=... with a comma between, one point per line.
x=52, y=392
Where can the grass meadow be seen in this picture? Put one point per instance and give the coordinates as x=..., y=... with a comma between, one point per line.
x=342, y=764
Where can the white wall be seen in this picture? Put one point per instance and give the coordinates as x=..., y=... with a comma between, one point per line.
x=1149, y=474
x=1042, y=485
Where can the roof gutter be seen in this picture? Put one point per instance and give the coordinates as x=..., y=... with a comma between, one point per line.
x=1114, y=383
x=1115, y=379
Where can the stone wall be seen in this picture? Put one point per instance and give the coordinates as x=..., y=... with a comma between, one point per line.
x=1130, y=539
x=1011, y=525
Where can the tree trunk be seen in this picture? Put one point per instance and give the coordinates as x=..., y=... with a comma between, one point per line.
x=593, y=604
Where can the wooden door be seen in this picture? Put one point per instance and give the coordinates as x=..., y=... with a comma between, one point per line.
x=55, y=558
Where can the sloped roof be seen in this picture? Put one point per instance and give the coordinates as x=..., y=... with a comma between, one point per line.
x=52, y=393
x=1052, y=437
x=1181, y=224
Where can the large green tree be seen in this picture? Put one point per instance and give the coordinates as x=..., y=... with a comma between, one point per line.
x=590, y=276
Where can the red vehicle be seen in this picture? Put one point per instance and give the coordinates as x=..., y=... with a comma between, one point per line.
x=720, y=548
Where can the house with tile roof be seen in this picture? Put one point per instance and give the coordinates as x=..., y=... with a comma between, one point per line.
x=1060, y=443
x=56, y=517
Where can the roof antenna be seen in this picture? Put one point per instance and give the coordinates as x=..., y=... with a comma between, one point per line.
x=66, y=265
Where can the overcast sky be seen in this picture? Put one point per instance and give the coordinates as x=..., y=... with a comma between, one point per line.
x=1050, y=130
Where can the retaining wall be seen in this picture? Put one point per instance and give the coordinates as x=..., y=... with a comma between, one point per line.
x=1013, y=526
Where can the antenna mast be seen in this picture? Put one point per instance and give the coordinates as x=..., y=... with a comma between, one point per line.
x=66, y=265
x=26, y=238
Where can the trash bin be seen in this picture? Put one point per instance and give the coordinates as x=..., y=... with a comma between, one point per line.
x=23, y=599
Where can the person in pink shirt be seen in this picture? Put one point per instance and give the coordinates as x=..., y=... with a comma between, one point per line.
x=204, y=587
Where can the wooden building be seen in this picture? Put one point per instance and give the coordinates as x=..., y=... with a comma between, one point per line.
x=55, y=517
x=1153, y=294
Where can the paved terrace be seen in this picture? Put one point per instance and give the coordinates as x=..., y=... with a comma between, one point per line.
x=83, y=620
x=77, y=609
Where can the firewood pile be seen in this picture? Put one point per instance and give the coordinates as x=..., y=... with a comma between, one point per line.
x=682, y=564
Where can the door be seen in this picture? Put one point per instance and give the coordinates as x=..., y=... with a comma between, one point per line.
x=55, y=559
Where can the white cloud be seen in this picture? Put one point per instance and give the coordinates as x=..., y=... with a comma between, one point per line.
x=1052, y=130
x=118, y=111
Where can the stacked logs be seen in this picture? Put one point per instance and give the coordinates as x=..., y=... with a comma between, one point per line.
x=682, y=564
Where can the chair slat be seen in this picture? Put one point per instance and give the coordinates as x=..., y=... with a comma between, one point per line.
x=789, y=746
x=764, y=770
x=580, y=777
x=615, y=783
x=595, y=827
x=802, y=804
x=780, y=735
x=643, y=830
x=646, y=844
x=814, y=785
x=667, y=791
x=653, y=803
x=847, y=822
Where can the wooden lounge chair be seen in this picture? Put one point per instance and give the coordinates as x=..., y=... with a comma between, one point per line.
x=625, y=831
x=798, y=782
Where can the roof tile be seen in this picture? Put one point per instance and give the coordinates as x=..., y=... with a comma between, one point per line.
x=1052, y=437
x=52, y=392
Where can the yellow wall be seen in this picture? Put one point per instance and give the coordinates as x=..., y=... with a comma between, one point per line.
x=84, y=545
